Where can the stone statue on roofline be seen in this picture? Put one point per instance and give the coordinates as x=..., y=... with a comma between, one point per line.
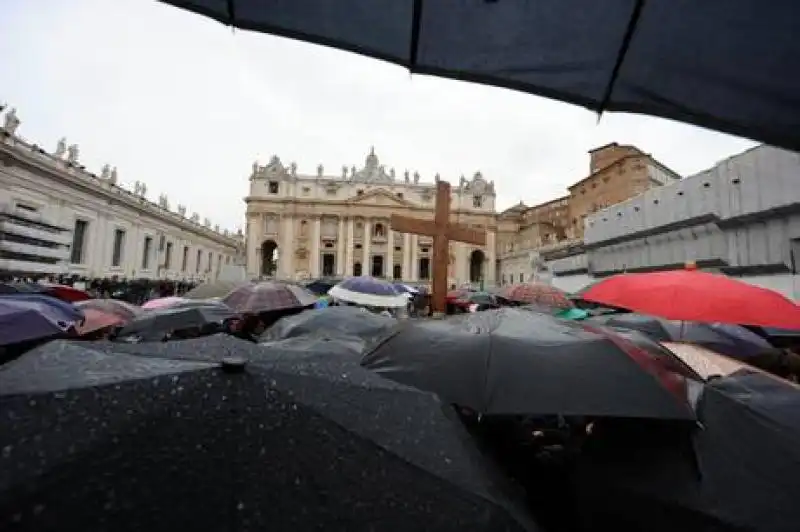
x=11, y=121
x=61, y=148
x=105, y=172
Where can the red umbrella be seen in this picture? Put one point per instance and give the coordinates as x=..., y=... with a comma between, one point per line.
x=66, y=293
x=536, y=294
x=696, y=296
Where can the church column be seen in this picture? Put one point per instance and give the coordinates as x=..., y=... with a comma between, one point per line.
x=366, y=264
x=253, y=249
x=285, y=251
x=414, y=258
x=462, y=263
x=389, y=273
x=341, y=244
x=406, y=257
x=315, y=236
x=491, y=252
x=349, y=247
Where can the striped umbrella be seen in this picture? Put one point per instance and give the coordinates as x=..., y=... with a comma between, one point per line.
x=369, y=291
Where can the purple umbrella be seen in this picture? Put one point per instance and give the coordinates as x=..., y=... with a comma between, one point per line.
x=22, y=321
x=62, y=310
x=369, y=291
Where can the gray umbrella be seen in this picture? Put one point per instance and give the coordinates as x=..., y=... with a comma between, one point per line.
x=730, y=66
x=340, y=320
x=98, y=440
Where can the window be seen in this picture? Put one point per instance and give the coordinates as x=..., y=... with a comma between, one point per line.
x=119, y=247
x=210, y=262
x=185, y=259
x=306, y=191
x=199, y=260
x=477, y=201
x=78, y=241
x=359, y=192
x=521, y=278
x=148, y=249
x=219, y=263
x=168, y=256
x=378, y=230
x=228, y=259
x=357, y=269
x=162, y=242
x=273, y=187
x=400, y=195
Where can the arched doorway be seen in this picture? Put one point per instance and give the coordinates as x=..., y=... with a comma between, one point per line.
x=476, y=260
x=269, y=258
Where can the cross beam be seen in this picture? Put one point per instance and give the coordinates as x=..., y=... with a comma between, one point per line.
x=442, y=232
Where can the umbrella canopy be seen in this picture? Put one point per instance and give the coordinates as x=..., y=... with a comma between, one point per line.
x=154, y=325
x=163, y=302
x=98, y=320
x=369, y=291
x=61, y=310
x=248, y=443
x=536, y=294
x=739, y=471
x=333, y=321
x=407, y=289
x=321, y=286
x=23, y=321
x=696, y=296
x=730, y=340
x=511, y=361
x=66, y=293
x=124, y=310
x=622, y=57
x=269, y=296
x=21, y=288
x=218, y=289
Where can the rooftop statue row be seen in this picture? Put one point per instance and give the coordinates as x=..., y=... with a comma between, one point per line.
x=372, y=172
x=69, y=154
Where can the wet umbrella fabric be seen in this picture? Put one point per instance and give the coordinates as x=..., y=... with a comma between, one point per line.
x=22, y=321
x=344, y=321
x=97, y=320
x=730, y=340
x=154, y=324
x=321, y=286
x=111, y=441
x=369, y=291
x=60, y=310
x=511, y=361
x=209, y=290
x=738, y=471
x=269, y=296
x=119, y=308
x=690, y=295
x=618, y=57
x=163, y=302
x=536, y=294
x=66, y=293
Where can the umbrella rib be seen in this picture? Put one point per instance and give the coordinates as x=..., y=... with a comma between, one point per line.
x=623, y=51
x=416, y=25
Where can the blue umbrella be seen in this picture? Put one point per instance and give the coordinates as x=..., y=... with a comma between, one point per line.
x=66, y=311
x=22, y=321
x=369, y=291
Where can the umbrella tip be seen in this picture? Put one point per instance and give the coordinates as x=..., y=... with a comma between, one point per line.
x=233, y=364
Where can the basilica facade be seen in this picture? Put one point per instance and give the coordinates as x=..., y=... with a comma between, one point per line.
x=308, y=225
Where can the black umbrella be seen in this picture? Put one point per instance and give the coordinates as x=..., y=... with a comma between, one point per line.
x=337, y=320
x=730, y=340
x=155, y=324
x=93, y=440
x=321, y=286
x=512, y=361
x=729, y=66
x=739, y=470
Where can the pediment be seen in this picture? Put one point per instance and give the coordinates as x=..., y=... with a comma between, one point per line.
x=381, y=198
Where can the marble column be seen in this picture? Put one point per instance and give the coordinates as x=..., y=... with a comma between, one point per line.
x=341, y=247
x=414, y=258
x=285, y=251
x=406, y=257
x=366, y=244
x=389, y=273
x=491, y=252
x=314, y=263
x=349, y=248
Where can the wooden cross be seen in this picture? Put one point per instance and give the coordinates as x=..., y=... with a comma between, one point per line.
x=442, y=232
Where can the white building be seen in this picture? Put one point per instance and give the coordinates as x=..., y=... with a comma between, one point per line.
x=30, y=245
x=113, y=232
x=318, y=224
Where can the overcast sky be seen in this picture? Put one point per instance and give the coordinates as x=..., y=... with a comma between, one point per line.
x=186, y=105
